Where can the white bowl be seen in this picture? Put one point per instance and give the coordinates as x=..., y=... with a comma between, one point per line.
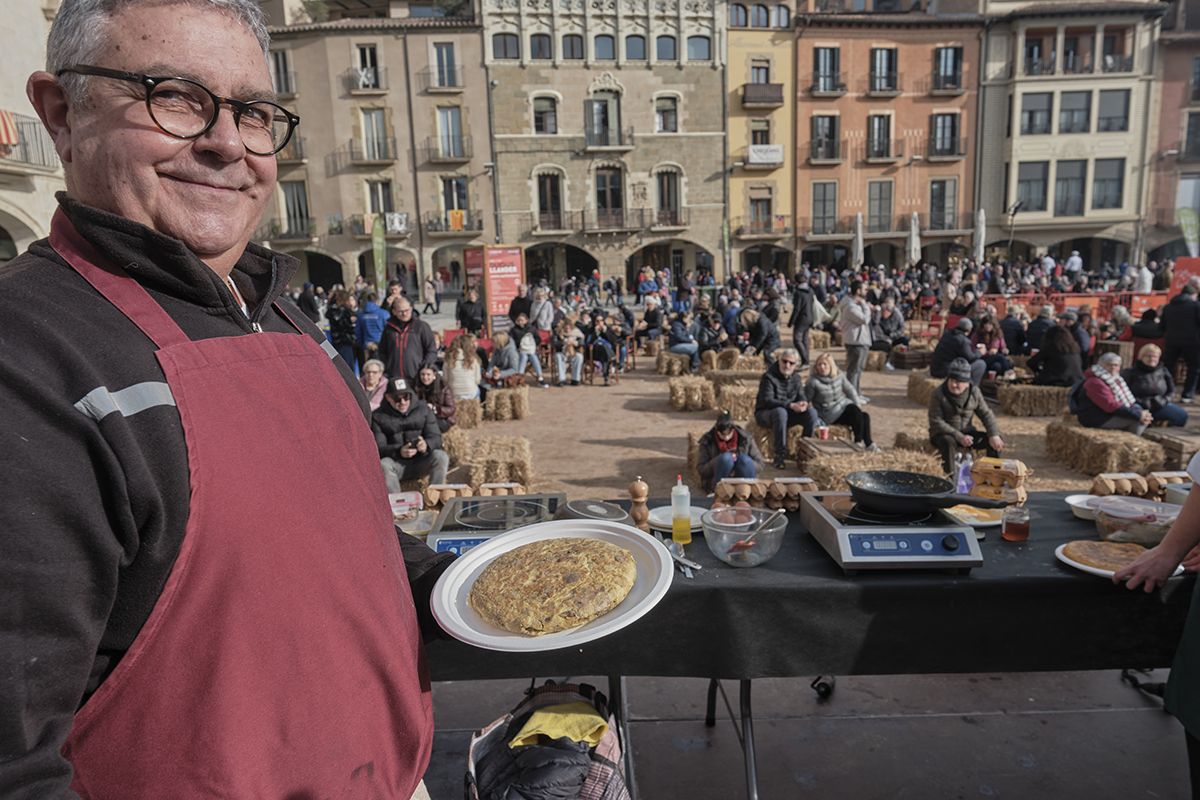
x=1083, y=505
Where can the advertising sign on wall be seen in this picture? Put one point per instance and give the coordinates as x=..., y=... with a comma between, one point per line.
x=504, y=274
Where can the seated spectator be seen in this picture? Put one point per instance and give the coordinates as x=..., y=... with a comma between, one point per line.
x=503, y=364
x=567, y=343
x=1070, y=321
x=989, y=341
x=406, y=432
x=1057, y=363
x=652, y=321
x=526, y=340
x=373, y=382
x=888, y=330
x=682, y=341
x=954, y=345
x=711, y=336
x=1013, y=328
x=1038, y=328
x=781, y=402
x=762, y=334
x=1104, y=400
x=1153, y=387
x=463, y=369
x=725, y=450
x=435, y=393
x=952, y=407
x=341, y=327
x=836, y=400
x=604, y=345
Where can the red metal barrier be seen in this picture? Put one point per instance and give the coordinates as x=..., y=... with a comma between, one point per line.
x=1102, y=303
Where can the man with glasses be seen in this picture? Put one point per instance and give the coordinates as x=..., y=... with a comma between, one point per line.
x=407, y=343
x=204, y=592
x=781, y=402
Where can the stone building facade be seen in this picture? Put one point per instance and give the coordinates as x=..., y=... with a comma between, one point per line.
x=608, y=133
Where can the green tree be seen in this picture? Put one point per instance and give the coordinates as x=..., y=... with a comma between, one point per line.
x=316, y=10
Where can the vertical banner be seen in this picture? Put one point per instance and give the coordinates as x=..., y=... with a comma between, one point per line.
x=1189, y=225
x=473, y=264
x=505, y=272
x=379, y=252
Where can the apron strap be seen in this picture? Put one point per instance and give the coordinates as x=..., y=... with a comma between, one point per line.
x=114, y=284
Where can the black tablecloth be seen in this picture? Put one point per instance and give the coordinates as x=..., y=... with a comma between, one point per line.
x=799, y=615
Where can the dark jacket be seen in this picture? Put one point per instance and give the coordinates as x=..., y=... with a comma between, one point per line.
x=469, y=315
x=341, y=325
x=710, y=338
x=802, y=308
x=953, y=344
x=439, y=398
x=776, y=391
x=519, y=305
x=1036, y=330
x=92, y=521
x=406, y=347
x=764, y=335
x=1098, y=404
x=1014, y=335
x=390, y=428
x=746, y=448
x=892, y=327
x=309, y=304
x=1084, y=340
x=1056, y=369
x=1144, y=329
x=950, y=415
x=1181, y=321
x=679, y=334
x=1152, y=386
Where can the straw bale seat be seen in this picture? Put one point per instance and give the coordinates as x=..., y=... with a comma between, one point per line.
x=691, y=393
x=740, y=377
x=668, y=363
x=728, y=358
x=708, y=361
x=749, y=364
x=819, y=340
x=830, y=470
x=456, y=443
x=738, y=399
x=765, y=438
x=506, y=404
x=908, y=441
x=1029, y=400
x=876, y=359
x=467, y=413
x=1094, y=450
x=921, y=386
x=652, y=347
x=693, y=458
x=499, y=459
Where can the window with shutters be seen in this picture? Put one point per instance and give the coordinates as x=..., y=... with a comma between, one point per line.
x=1108, y=183
x=610, y=201
x=1031, y=185
x=541, y=46
x=760, y=214
x=879, y=206
x=281, y=73
x=783, y=16
x=666, y=114
x=506, y=46
x=454, y=193
x=760, y=131
x=879, y=136
x=667, y=208
x=550, y=206
x=826, y=69
x=1069, y=179
x=884, y=75
x=295, y=208
x=1074, y=112
x=602, y=119
x=369, y=75
x=825, y=144
x=760, y=71
x=635, y=47
x=943, y=135
x=824, y=207
x=605, y=47
x=375, y=138
x=947, y=68
x=572, y=47
x=545, y=115
x=379, y=197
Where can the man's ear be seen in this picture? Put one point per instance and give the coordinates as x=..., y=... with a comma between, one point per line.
x=50, y=102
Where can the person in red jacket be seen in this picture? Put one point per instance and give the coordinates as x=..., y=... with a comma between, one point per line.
x=1105, y=401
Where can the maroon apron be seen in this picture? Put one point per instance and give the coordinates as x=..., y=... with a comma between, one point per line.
x=282, y=659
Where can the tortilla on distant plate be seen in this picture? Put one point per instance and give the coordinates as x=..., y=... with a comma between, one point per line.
x=553, y=585
x=1110, y=556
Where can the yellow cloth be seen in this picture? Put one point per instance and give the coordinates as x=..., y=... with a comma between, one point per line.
x=577, y=721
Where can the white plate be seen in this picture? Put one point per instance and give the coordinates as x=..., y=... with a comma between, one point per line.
x=976, y=522
x=457, y=618
x=1081, y=505
x=1103, y=573
x=660, y=518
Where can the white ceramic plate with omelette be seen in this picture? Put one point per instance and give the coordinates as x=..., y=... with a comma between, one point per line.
x=1089, y=569
x=453, y=612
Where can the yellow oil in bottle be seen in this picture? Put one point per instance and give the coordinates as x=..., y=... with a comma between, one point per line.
x=681, y=529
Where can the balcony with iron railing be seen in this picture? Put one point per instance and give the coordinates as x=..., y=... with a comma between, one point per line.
x=362, y=226
x=33, y=153
x=826, y=225
x=288, y=228
x=447, y=149
x=1040, y=66
x=372, y=151
x=947, y=222
x=946, y=83
x=613, y=219
x=882, y=84
x=460, y=222
x=608, y=139
x=827, y=84
x=366, y=80
x=762, y=228
x=946, y=148
x=293, y=153
x=826, y=151
x=442, y=80
x=554, y=222
x=886, y=224
x=1189, y=150
x=884, y=151
x=1113, y=124
x=762, y=95
x=670, y=218
x=1116, y=63
x=1077, y=63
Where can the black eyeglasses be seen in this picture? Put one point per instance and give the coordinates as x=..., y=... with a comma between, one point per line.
x=185, y=109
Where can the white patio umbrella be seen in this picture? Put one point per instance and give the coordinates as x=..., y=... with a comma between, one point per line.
x=856, y=247
x=914, y=239
x=980, y=236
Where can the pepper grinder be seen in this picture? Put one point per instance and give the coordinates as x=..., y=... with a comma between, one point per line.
x=638, y=512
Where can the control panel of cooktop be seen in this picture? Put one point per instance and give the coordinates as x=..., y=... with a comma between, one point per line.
x=902, y=543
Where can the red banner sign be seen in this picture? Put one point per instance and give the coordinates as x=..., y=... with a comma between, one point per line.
x=504, y=273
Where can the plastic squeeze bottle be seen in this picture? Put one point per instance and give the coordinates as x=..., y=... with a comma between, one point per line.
x=681, y=512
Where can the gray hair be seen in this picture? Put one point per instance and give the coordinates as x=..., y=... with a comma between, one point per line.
x=1109, y=358
x=79, y=30
x=790, y=352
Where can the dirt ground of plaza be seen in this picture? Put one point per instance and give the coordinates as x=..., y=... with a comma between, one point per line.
x=592, y=441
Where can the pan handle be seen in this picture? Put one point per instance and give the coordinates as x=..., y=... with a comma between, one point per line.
x=945, y=501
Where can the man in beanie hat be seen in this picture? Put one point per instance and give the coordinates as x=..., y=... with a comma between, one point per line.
x=726, y=449
x=951, y=409
x=956, y=344
x=408, y=437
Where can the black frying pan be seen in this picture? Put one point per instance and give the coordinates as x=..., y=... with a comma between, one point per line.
x=891, y=491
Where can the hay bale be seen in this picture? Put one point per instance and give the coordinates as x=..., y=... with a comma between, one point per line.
x=738, y=399
x=723, y=377
x=499, y=459
x=669, y=363
x=468, y=413
x=456, y=443
x=750, y=364
x=819, y=340
x=506, y=404
x=660, y=362
x=876, y=359
x=708, y=360
x=691, y=393
x=829, y=470
x=652, y=347
x=921, y=386
x=1028, y=400
x=907, y=441
x=728, y=358
x=1093, y=450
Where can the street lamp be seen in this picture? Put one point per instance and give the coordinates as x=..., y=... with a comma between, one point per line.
x=1012, y=224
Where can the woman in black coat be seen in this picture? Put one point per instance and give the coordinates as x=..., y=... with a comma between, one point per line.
x=1153, y=386
x=1058, y=363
